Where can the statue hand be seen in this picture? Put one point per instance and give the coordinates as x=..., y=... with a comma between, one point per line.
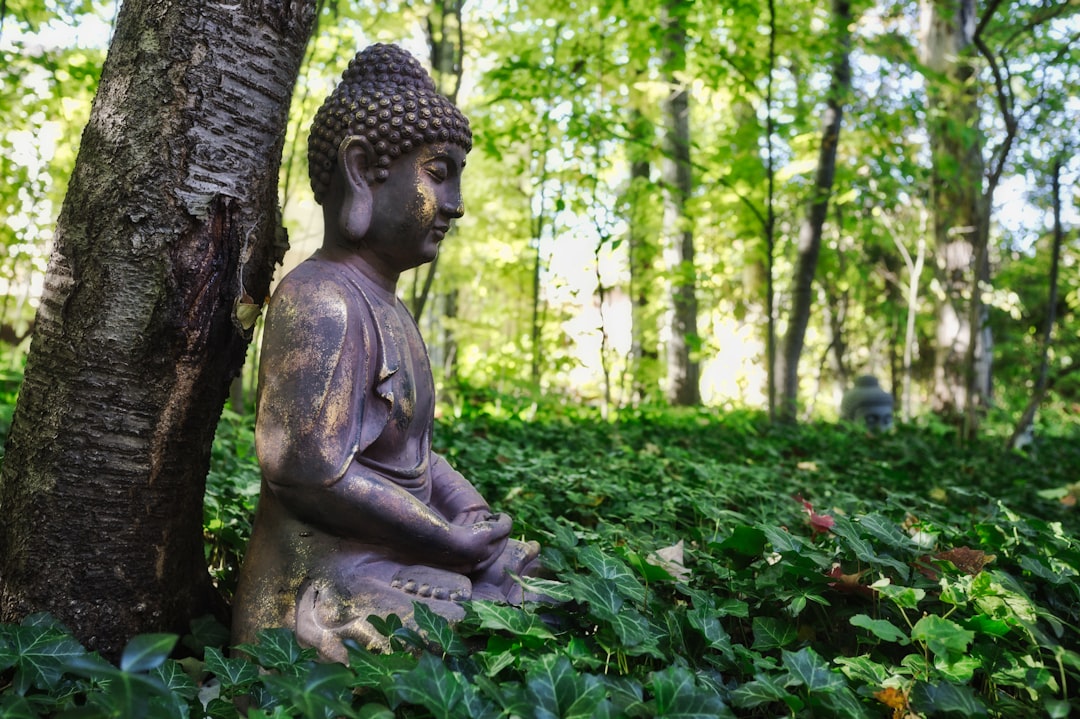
x=471, y=516
x=481, y=542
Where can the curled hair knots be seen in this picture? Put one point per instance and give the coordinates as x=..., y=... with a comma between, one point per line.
x=386, y=97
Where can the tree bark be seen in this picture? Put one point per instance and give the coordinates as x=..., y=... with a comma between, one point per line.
x=643, y=252
x=169, y=225
x=683, y=371
x=802, y=294
x=948, y=30
x=1042, y=379
x=446, y=43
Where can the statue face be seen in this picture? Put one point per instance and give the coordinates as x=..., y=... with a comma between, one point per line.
x=412, y=210
x=877, y=418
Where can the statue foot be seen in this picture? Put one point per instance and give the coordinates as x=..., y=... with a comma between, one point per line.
x=434, y=583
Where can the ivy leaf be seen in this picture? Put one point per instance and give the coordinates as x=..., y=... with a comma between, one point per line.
x=903, y=597
x=147, y=651
x=745, y=540
x=613, y=569
x=944, y=637
x=559, y=691
x=863, y=669
x=373, y=710
x=958, y=669
x=886, y=531
x=764, y=689
x=710, y=627
x=881, y=628
x=172, y=676
x=772, y=633
x=377, y=670
x=39, y=653
x=438, y=630
x=637, y=633
x=325, y=690
x=502, y=617
x=433, y=686
x=557, y=591
x=679, y=696
x=601, y=596
x=277, y=648
x=206, y=631
x=946, y=698
x=844, y=703
x=849, y=535
x=782, y=541
x=810, y=670
x=13, y=706
x=231, y=671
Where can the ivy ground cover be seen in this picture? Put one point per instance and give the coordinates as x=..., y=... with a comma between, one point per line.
x=704, y=566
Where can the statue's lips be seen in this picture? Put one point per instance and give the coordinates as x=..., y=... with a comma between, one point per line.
x=439, y=233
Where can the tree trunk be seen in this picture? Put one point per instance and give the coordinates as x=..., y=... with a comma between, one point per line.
x=169, y=224
x=682, y=369
x=446, y=42
x=643, y=253
x=1042, y=380
x=802, y=295
x=948, y=29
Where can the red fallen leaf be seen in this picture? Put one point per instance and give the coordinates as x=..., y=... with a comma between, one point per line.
x=967, y=560
x=849, y=583
x=819, y=523
x=924, y=565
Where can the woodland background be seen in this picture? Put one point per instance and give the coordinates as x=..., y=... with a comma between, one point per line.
x=662, y=192
x=735, y=206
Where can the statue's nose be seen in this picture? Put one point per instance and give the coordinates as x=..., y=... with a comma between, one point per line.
x=454, y=206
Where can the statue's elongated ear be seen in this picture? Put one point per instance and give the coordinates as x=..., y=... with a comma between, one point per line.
x=356, y=158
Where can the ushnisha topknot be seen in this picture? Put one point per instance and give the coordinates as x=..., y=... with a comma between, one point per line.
x=386, y=96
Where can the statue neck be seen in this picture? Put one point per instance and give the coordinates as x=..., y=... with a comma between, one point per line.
x=354, y=259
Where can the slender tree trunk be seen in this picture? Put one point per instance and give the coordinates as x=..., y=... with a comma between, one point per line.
x=948, y=29
x=770, y=223
x=446, y=42
x=915, y=269
x=169, y=225
x=683, y=371
x=810, y=234
x=1042, y=379
x=643, y=254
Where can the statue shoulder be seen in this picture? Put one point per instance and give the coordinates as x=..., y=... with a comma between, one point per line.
x=314, y=292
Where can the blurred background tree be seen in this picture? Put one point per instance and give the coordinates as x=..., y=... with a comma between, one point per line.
x=556, y=283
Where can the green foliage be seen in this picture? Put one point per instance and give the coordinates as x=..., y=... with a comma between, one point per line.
x=823, y=573
x=232, y=488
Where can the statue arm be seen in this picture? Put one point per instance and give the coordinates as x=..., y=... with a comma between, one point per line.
x=453, y=495
x=315, y=358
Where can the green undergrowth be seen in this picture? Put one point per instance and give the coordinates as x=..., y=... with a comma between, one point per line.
x=704, y=565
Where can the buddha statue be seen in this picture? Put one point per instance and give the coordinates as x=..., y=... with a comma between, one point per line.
x=357, y=516
x=868, y=404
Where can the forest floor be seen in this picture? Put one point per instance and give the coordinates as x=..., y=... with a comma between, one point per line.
x=707, y=564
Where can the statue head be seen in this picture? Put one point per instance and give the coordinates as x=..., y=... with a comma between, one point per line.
x=387, y=102
x=868, y=404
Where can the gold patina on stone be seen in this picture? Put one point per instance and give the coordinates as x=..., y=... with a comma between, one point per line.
x=357, y=516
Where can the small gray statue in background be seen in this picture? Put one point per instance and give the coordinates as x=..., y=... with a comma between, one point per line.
x=868, y=404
